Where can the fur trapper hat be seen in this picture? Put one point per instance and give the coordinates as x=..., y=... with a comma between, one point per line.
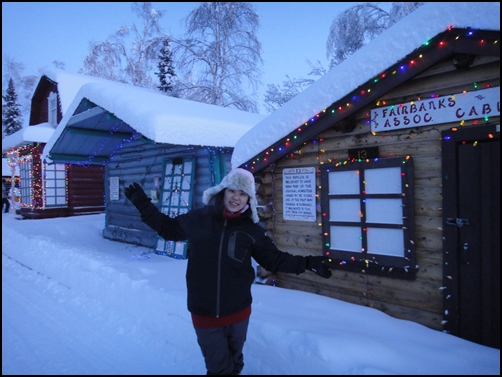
x=237, y=179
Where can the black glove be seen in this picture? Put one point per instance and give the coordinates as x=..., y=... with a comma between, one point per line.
x=316, y=264
x=137, y=196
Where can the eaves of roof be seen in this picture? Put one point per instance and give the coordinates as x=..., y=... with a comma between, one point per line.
x=443, y=45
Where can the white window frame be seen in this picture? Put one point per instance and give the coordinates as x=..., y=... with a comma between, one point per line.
x=26, y=179
x=176, y=192
x=368, y=215
x=53, y=109
x=55, y=185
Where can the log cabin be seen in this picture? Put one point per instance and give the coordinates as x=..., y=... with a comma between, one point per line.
x=174, y=148
x=57, y=190
x=389, y=165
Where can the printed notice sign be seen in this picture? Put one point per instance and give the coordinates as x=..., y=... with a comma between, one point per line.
x=114, y=188
x=298, y=189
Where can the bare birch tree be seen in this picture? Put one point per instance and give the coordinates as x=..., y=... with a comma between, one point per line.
x=220, y=56
x=349, y=31
x=358, y=25
x=131, y=54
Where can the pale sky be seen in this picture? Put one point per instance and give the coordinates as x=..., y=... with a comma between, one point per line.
x=36, y=34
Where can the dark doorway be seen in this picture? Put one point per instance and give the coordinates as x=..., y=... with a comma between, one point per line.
x=471, y=218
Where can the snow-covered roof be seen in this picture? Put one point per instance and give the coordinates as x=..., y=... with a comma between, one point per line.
x=41, y=133
x=161, y=118
x=68, y=86
x=381, y=53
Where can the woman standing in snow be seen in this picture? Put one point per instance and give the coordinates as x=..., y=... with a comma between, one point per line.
x=5, y=199
x=223, y=237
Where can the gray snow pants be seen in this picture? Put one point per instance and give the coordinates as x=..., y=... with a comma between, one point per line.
x=222, y=347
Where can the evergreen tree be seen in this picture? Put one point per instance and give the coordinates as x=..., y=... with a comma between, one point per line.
x=24, y=84
x=166, y=69
x=11, y=114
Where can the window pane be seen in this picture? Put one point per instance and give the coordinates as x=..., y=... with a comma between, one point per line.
x=26, y=181
x=160, y=244
x=385, y=242
x=179, y=248
x=383, y=181
x=344, y=182
x=347, y=238
x=186, y=182
x=52, y=110
x=167, y=184
x=344, y=210
x=384, y=211
x=50, y=200
x=185, y=196
x=188, y=167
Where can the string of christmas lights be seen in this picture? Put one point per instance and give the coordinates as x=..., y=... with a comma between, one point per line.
x=363, y=259
x=440, y=41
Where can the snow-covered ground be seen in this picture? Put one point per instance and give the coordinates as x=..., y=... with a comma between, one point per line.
x=76, y=303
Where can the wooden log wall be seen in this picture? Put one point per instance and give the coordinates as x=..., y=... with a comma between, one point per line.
x=419, y=300
x=86, y=188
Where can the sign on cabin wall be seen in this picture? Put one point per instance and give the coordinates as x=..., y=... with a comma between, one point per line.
x=457, y=107
x=114, y=188
x=298, y=191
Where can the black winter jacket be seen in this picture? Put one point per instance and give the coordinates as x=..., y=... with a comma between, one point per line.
x=219, y=271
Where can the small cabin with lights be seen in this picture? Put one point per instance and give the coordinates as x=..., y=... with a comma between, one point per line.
x=174, y=148
x=389, y=165
x=57, y=190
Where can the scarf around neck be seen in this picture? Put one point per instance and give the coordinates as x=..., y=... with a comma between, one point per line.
x=229, y=215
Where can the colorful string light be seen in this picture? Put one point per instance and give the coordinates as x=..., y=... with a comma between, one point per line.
x=413, y=63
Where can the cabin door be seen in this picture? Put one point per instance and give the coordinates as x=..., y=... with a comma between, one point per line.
x=176, y=199
x=471, y=216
